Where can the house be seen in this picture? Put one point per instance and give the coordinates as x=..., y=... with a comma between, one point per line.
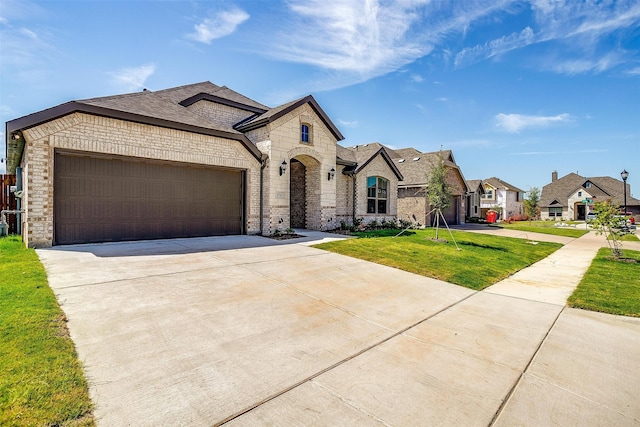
x=573, y=196
x=502, y=197
x=416, y=168
x=194, y=160
x=476, y=191
x=413, y=168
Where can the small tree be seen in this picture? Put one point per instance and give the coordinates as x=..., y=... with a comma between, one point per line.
x=438, y=191
x=531, y=202
x=605, y=222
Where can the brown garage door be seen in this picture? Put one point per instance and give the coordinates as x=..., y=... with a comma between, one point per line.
x=114, y=199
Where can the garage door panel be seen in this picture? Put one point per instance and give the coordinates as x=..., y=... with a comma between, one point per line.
x=114, y=199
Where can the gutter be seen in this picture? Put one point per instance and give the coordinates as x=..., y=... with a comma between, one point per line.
x=263, y=164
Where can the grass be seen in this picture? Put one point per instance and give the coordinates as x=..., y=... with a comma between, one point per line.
x=41, y=379
x=482, y=261
x=610, y=286
x=546, y=227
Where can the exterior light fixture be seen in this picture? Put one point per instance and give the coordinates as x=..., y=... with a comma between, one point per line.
x=283, y=167
x=624, y=175
x=331, y=174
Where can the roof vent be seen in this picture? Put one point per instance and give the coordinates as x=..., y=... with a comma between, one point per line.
x=415, y=159
x=401, y=161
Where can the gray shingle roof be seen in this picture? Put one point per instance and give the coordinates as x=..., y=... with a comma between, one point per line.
x=602, y=189
x=498, y=183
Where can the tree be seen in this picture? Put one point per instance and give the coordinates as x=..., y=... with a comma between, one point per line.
x=607, y=218
x=438, y=191
x=531, y=202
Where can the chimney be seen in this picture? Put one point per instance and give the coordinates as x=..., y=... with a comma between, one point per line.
x=554, y=176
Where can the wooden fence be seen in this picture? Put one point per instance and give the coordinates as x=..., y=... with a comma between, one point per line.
x=8, y=200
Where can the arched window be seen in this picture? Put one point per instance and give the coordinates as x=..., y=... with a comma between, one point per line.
x=305, y=135
x=377, y=194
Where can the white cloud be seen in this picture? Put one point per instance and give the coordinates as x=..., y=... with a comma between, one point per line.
x=349, y=124
x=417, y=78
x=514, y=123
x=130, y=79
x=220, y=25
x=495, y=47
x=573, y=29
x=366, y=39
x=442, y=99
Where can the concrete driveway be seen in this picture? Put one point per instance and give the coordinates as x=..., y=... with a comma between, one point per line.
x=251, y=331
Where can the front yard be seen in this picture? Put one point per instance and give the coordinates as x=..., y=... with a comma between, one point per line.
x=482, y=261
x=610, y=286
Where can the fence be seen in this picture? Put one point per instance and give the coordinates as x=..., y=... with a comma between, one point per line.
x=8, y=200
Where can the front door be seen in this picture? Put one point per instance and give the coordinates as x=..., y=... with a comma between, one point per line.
x=298, y=194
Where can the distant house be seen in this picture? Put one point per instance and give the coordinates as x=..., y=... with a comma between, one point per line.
x=474, y=195
x=502, y=197
x=573, y=196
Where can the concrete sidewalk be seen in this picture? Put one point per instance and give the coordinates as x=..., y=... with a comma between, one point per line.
x=245, y=331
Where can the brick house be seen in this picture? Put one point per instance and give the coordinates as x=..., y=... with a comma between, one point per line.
x=407, y=189
x=195, y=160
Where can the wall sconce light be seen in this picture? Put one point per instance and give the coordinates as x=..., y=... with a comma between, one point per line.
x=331, y=175
x=283, y=167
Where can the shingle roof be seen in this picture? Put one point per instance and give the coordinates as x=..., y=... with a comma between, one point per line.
x=274, y=113
x=363, y=154
x=498, y=183
x=161, y=108
x=602, y=188
x=475, y=184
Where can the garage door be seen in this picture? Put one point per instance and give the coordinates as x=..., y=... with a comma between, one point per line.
x=114, y=199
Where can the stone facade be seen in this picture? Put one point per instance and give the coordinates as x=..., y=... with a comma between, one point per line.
x=377, y=167
x=96, y=134
x=281, y=141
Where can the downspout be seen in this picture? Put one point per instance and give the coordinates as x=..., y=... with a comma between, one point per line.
x=263, y=165
x=353, y=214
x=19, y=200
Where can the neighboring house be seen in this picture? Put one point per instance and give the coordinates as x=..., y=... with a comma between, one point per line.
x=474, y=195
x=416, y=168
x=502, y=197
x=412, y=169
x=573, y=196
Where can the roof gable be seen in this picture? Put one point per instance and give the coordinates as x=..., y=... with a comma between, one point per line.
x=275, y=113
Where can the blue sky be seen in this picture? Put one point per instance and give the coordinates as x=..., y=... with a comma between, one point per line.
x=517, y=89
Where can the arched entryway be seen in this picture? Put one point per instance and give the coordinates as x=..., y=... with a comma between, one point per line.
x=304, y=193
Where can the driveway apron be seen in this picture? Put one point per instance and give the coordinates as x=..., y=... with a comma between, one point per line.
x=249, y=331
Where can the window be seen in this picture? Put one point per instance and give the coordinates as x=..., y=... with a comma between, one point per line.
x=488, y=195
x=304, y=133
x=579, y=193
x=587, y=184
x=377, y=194
x=554, y=212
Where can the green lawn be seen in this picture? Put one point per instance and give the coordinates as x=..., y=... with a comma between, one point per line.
x=610, y=286
x=41, y=379
x=482, y=261
x=547, y=227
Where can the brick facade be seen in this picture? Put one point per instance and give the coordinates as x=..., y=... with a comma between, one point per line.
x=96, y=134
